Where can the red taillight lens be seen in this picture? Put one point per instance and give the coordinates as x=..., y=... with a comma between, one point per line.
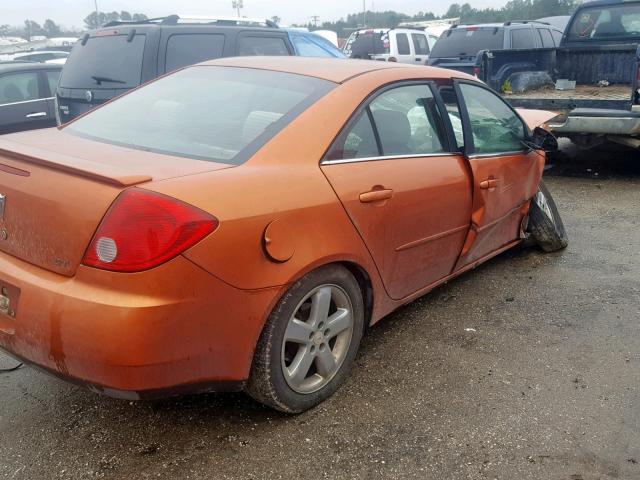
x=476, y=71
x=471, y=29
x=144, y=229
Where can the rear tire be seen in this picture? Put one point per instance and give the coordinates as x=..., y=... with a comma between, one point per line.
x=309, y=342
x=545, y=224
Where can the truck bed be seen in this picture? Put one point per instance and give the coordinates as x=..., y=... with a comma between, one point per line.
x=584, y=96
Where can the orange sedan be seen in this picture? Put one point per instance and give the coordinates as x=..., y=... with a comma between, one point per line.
x=238, y=224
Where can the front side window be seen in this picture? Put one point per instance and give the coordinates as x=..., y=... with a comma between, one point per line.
x=495, y=127
x=403, y=44
x=219, y=114
x=19, y=87
x=420, y=44
x=522, y=38
x=191, y=48
x=249, y=46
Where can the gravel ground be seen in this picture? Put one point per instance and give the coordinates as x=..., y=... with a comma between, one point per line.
x=545, y=386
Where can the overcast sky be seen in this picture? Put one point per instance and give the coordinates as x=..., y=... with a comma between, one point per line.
x=71, y=12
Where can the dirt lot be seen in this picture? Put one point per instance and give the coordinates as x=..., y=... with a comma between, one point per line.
x=546, y=386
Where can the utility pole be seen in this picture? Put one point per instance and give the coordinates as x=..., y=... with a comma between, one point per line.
x=95, y=2
x=364, y=13
x=237, y=4
x=314, y=19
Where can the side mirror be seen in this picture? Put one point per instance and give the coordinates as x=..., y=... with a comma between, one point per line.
x=544, y=140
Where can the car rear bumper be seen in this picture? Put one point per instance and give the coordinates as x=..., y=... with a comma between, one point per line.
x=170, y=330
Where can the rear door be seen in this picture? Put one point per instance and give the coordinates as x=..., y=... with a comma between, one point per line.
x=23, y=104
x=404, y=187
x=505, y=173
x=420, y=48
x=403, y=53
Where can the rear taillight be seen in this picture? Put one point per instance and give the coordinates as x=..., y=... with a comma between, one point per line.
x=476, y=71
x=144, y=229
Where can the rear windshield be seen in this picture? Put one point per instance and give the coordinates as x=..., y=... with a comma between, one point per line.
x=218, y=114
x=365, y=43
x=459, y=42
x=606, y=23
x=105, y=62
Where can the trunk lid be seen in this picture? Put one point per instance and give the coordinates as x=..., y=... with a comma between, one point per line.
x=56, y=188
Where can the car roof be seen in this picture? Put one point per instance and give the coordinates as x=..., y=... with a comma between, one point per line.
x=337, y=70
x=6, y=67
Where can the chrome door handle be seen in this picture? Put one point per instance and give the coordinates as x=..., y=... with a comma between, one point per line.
x=37, y=115
x=376, y=196
x=488, y=184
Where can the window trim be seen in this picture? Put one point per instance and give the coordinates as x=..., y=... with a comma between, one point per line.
x=450, y=148
x=469, y=144
x=413, y=41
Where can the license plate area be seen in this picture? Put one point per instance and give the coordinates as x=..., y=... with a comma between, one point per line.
x=9, y=296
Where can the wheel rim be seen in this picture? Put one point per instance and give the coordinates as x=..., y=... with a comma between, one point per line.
x=317, y=339
x=542, y=202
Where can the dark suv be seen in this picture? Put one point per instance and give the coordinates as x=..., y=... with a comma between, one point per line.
x=122, y=55
x=458, y=47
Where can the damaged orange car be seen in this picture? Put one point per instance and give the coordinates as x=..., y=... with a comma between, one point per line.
x=238, y=224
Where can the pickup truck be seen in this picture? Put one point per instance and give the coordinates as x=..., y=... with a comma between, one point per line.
x=599, y=52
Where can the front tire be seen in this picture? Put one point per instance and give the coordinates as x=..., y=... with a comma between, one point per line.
x=545, y=224
x=309, y=342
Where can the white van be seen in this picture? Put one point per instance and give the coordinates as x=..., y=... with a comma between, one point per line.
x=404, y=45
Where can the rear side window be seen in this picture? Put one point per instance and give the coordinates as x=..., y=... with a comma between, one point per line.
x=546, y=38
x=557, y=36
x=248, y=46
x=420, y=44
x=403, y=44
x=105, y=62
x=467, y=41
x=357, y=142
x=187, y=49
x=18, y=87
x=220, y=114
x=522, y=38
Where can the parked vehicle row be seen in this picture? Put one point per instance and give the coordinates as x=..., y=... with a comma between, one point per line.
x=591, y=78
x=390, y=45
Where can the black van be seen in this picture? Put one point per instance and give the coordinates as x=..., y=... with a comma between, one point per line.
x=122, y=55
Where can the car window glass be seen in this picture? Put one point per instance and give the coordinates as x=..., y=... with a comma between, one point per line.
x=359, y=141
x=403, y=44
x=306, y=48
x=463, y=41
x=522, y=38
x=495, y=127
x=557, y=36
x=187, y=49
x=408, y=121
x=114, y=57
x=220, y=114
x=420, y=43
x=262, y=46
x=19, y=87
x=453, y=110
x=546, y=38
x=52, y=79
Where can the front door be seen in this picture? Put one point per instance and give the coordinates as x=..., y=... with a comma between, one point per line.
x=506, y=173
x=22, y=106
x=406, y=190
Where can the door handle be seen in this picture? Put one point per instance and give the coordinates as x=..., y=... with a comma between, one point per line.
x=487, y=184
x=376, y=195
x=37, y=115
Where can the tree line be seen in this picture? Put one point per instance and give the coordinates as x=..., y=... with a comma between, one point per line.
x=51, y=29
x=513, y=10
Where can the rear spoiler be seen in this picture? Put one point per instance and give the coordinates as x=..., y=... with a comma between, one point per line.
x=70, y=164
